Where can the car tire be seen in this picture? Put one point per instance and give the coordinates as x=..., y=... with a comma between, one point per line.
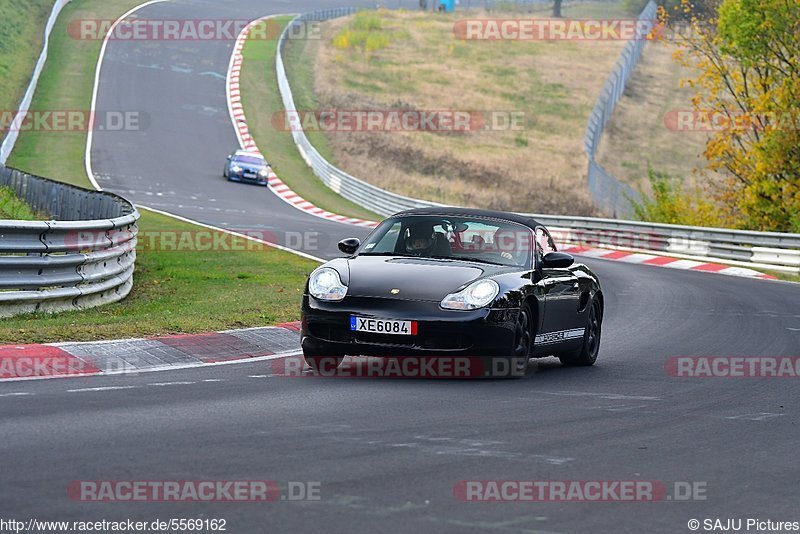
x=517, y=362
x=587, y=354
x=323, y=365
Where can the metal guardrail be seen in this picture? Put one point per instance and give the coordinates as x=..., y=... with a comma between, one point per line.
x=373, y=198
x=755, y=249
x=11, y=137
x=83, y=257
x=608, y=193
x=768, y=250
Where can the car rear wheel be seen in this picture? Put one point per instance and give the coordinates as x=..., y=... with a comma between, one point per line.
x=587, y=354
x=323, y=364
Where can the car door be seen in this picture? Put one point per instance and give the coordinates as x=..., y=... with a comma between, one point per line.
x=562, y=322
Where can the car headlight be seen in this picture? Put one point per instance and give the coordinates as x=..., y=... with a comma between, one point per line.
x=325, y=284
x=263, y=172
x=236, y=169
x=476, y=295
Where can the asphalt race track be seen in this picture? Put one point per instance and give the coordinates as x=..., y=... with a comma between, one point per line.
x=175, y=163
x=388, y=453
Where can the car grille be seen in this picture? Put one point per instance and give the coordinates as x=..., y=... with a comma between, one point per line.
x=428, y=338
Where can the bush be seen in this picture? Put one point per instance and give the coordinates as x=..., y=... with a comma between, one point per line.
x=671, y=203
x=367, y=21
x=365, y=31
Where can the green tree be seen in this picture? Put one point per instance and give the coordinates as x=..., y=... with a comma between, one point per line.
x=747, y=56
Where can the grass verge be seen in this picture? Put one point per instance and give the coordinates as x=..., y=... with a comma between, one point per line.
x=66, y=85
x=175, y=291
x=262, y=102
x=13, y=208
x=21, y=36
x=180, y=291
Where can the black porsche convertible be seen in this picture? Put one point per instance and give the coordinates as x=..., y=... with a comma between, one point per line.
x=448, y=282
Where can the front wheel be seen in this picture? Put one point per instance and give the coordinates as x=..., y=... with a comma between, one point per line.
x=517, y=362
x=587, y=354
x=323, y=364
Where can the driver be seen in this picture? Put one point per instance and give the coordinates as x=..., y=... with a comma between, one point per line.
x=421, y=239
x=508, y=244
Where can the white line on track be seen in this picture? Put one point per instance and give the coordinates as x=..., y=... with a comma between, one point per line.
x=607, y=396
x=89, y=135
x=160, y=384
x=236, y=234
x=90, y=138
x=104, y=388
x=161, y=368
x=16, y=394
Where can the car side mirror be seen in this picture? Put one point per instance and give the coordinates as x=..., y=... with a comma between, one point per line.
x=349, y=245
x=557, y=260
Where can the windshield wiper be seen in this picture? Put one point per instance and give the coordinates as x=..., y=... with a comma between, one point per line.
x=387, y=254
x=481, y=260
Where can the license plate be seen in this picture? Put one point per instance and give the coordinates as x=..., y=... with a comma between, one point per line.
x=383, y=326
x=249, y=175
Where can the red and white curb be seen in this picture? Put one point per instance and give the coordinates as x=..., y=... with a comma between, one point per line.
x=247, y=142
x=133, y=356
x=664, y=261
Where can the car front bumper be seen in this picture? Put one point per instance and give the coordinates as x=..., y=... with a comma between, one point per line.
x=476, y=333
x=240, y=178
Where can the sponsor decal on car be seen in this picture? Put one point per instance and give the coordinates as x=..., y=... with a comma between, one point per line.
x=559, y=336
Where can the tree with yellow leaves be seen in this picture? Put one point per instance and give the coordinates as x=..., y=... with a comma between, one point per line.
x=747, y=57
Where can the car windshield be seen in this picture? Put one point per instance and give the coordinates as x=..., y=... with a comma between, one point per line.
x=476, y=239
x=249, y=160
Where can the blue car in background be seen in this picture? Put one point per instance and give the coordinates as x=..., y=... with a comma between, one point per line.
x=244, y=166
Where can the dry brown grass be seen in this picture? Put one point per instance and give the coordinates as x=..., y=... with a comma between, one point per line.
x=636, y=135
x=540, y=169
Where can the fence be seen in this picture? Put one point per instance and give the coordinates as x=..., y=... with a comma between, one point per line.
x=608, y=193
x=83, y=257
x=11, y=138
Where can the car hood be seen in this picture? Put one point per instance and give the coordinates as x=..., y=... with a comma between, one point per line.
x=416, y=278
